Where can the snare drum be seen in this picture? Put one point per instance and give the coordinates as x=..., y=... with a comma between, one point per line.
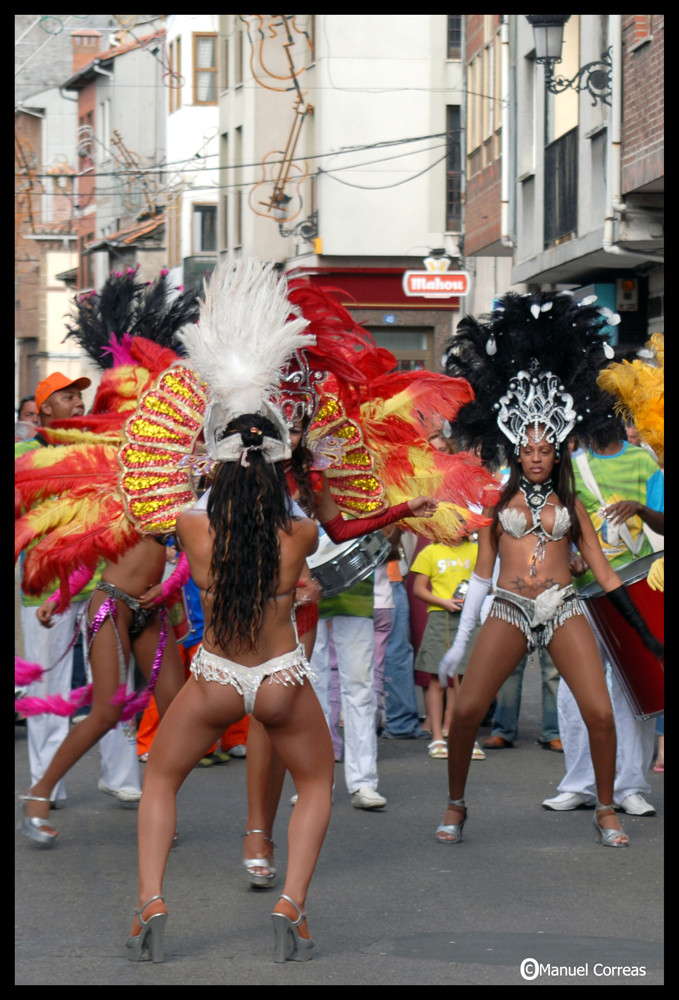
x=339, y=567
x=641, y=675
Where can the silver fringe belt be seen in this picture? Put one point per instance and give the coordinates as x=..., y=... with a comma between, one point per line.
x=538, y=619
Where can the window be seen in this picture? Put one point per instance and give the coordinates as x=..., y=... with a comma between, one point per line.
x=412, y=347
x=454, y=36
x=453, y=170
x=240, y=57
x=205, y=69
x=561, y=188
x=204, y=229
x=174, y=80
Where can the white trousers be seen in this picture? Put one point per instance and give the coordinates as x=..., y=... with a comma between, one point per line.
x=354, y=640
x=635, y=742
x=46, y=733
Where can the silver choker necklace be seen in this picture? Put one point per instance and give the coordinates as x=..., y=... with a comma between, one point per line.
x=536, y=497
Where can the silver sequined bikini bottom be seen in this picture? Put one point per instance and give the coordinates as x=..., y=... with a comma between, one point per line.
x=290, y=668
x=538, y=619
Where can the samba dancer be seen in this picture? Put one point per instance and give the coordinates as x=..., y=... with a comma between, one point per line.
x=246, y=553
x=74, y=489
x=533, y=366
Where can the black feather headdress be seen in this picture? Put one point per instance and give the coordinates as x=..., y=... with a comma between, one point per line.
x=126, y=305
x=533, y=361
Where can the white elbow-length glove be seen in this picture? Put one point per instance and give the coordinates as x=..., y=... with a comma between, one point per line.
x=476, y=595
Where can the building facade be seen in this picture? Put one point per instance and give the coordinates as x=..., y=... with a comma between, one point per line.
x=588, y=193
x=341, y=158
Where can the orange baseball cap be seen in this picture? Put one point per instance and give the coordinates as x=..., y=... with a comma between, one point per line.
x=55, y=382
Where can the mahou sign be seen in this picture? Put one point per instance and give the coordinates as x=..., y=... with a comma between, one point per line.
x=444, y=285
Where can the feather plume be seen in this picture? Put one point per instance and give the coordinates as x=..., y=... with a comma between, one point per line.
x=550, y=330
x=638, y=388
x=244, y=339
x=54, y=704
x=127, y=306
x=26, y=673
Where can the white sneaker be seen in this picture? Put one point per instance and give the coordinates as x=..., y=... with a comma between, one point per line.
x=238, y=751
x=566, y=801
x=636, y=805
x=122, y=794
x=367, y=798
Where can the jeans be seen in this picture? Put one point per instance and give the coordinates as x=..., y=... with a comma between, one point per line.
x=399, y=680
x=508, y=706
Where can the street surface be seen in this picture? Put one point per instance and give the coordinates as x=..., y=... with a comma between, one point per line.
x=387, y=906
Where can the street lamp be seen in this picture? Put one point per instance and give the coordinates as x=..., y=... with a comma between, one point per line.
x=594, y=77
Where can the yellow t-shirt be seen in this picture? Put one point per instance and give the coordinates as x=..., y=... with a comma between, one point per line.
x=446, y=566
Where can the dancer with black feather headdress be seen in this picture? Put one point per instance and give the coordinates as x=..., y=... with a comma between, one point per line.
x=77, y=525
x=533, y=365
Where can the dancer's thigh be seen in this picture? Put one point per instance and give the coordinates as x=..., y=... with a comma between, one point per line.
x=171, y=674
x=575, y=652
x=194, y=721
x=294, y=720
x=498, y=648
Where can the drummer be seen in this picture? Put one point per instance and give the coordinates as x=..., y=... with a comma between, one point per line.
x=612, y=468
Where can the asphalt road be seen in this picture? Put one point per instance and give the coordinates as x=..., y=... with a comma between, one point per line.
x=388, y=905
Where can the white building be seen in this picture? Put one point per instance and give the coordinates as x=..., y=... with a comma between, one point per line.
x=340, y=149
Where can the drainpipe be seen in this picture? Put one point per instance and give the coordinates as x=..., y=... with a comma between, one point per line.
x=615, y=203
x=505, y=239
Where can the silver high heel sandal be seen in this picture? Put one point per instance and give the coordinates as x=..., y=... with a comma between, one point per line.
x=288, y=945
x=149, y=944
x=33, y=827
x=255, y=878
x=608, y=838
x=452, y=829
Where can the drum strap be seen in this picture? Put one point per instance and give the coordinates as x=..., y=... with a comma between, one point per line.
x=593, y=487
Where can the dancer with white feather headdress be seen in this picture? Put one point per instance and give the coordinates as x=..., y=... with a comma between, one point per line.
x=246, y=552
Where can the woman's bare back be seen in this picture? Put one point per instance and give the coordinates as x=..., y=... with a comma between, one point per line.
x=277, y=635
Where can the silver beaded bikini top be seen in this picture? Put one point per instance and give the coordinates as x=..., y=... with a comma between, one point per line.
x=514, y=522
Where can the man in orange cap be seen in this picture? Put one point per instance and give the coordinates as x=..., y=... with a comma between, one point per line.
x=59, y=397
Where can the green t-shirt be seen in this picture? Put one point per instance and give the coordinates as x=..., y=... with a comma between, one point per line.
x=356, y=602
x=623, y=476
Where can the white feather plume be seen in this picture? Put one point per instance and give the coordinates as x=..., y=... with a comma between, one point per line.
x=244, y=337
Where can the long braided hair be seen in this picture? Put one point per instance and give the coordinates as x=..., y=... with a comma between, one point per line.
x=247, y=506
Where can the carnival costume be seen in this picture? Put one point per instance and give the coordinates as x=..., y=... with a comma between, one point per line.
x=533, y=363
x=74, y=502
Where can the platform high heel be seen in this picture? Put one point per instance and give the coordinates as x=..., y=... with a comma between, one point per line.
x=36, y=829
x=256, y=878
x=452, y=829
x=288, y=945
x=608, y=838
x=149, y=944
